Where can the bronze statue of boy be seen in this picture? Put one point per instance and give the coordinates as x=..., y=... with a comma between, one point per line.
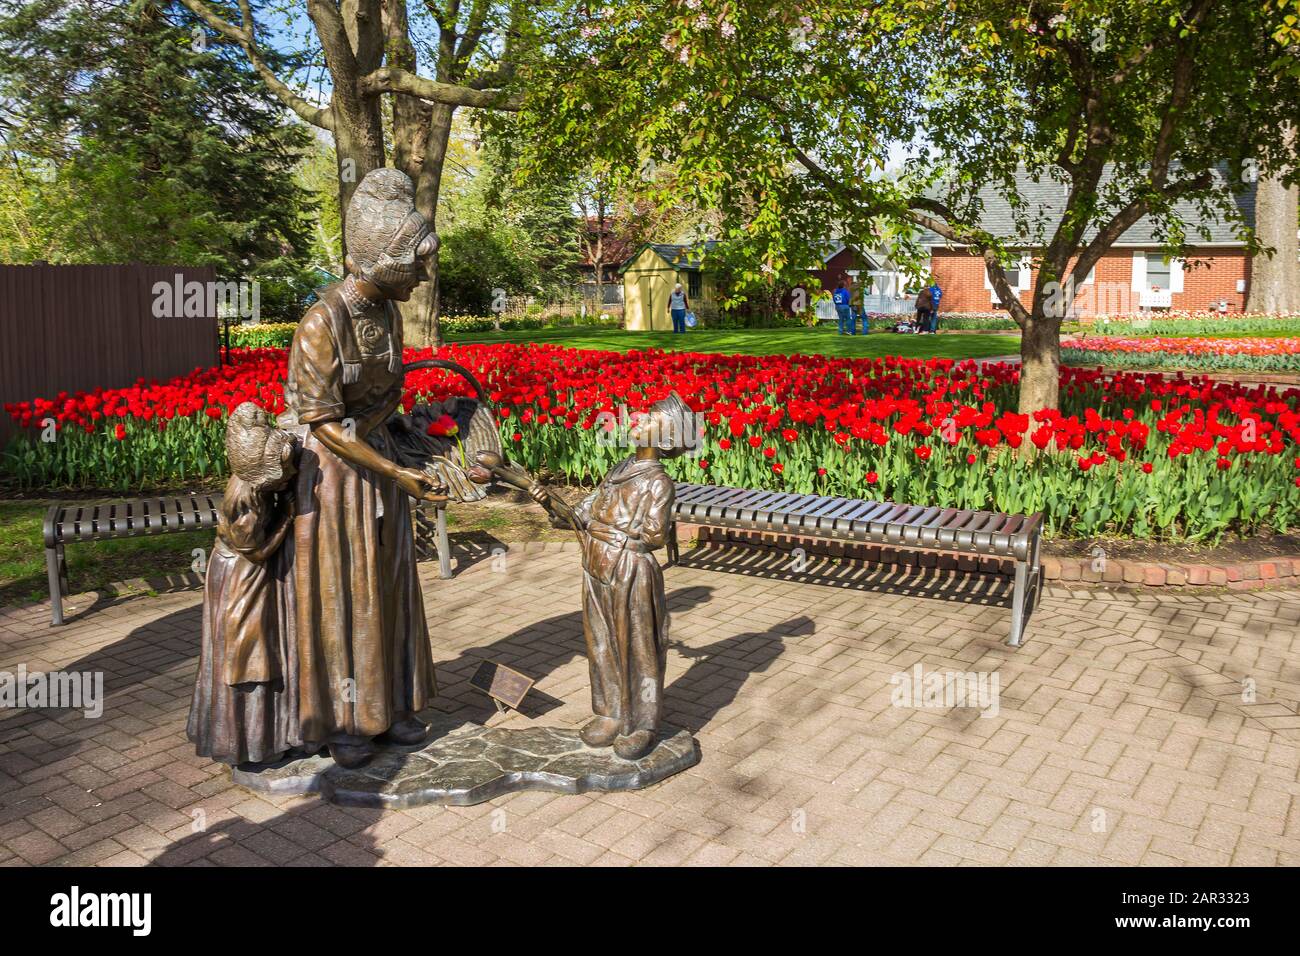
x=624, y=612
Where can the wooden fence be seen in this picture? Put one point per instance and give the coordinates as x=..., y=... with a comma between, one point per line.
x=73, y=328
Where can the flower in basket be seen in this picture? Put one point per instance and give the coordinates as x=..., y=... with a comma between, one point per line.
x=443, y=427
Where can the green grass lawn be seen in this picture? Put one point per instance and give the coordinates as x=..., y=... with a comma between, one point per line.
x=820, y=341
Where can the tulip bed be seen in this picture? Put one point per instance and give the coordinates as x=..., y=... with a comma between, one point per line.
x=1143, y=455
x=1258, y=355
x=264, y=335
x=1198, y=323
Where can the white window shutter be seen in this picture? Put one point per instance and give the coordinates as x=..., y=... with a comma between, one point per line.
x=1139, y=271
x=1175, y=275
x=1025, y=265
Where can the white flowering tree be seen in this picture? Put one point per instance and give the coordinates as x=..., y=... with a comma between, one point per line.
x=784, y=117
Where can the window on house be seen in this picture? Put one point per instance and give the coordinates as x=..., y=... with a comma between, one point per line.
x=1158, y=273
x=694, y=283
x=1018, y=273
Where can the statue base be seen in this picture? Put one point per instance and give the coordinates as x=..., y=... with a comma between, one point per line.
x=464, y=764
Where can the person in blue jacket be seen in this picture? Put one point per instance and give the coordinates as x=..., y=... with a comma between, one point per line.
x=843, y=308
x=935, y=293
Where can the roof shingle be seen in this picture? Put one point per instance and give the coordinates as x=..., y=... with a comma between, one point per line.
x=1044, y=201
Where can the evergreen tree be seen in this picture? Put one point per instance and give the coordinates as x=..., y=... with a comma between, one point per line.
x=131, y=138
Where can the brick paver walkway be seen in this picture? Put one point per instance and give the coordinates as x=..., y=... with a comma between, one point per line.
x=1122, y=733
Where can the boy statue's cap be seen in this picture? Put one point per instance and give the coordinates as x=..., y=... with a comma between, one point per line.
x=673, y=423
x=672, y=405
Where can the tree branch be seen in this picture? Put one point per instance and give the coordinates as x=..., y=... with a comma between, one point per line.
x=924, y=212
x=391, y=80
x=1192, y=19
x=244, y=36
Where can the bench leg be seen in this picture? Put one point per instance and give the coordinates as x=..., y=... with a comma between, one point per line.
x=53, y=571
x=444, y=546
x=674, y=553
x=1019, y=604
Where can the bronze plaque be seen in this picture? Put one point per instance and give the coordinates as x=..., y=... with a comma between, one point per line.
x=501, y=683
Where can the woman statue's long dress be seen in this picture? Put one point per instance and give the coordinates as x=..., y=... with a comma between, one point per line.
x=364, y=662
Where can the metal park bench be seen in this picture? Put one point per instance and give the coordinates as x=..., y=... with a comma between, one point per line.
x=980, y=533
x=431, y=522
x=68, y=523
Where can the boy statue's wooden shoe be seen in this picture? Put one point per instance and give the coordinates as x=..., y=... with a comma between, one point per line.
x=599, y=732
x=635, y=745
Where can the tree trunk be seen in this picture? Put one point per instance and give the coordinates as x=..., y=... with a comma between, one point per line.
x=1275, y=279
x=420, y=314
x=357, y=150
x=409, y=115
x=1040, y=358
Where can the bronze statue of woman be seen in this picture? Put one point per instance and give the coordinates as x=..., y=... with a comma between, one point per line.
x=364, y=662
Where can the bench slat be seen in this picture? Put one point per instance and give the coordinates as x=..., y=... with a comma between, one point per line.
x=1002, y=538
x=774, y=509
x=982, y=535
x=746, y=510
x=719, y=503
x=912, y=530
x=792, y=512
x=861, y=519
x=686, y=494
x=825, y=518
x=907, y=525
x=133, y=518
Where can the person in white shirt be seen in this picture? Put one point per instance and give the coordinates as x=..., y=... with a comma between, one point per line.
x=677, y=306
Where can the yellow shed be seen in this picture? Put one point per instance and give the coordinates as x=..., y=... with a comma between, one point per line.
x=648, y=280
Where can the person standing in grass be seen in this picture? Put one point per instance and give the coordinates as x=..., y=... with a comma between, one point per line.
x=924, y=305
x=858, y=302
x=936, y=294
x=843, y=307
x=677, y=306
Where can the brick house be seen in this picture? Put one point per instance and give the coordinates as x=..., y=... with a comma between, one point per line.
x=1132, y=275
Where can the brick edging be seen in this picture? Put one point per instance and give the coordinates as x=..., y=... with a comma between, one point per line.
x=1278, y=571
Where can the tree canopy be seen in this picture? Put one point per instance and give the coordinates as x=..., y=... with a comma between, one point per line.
x=786, y=120
x=128, y=141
